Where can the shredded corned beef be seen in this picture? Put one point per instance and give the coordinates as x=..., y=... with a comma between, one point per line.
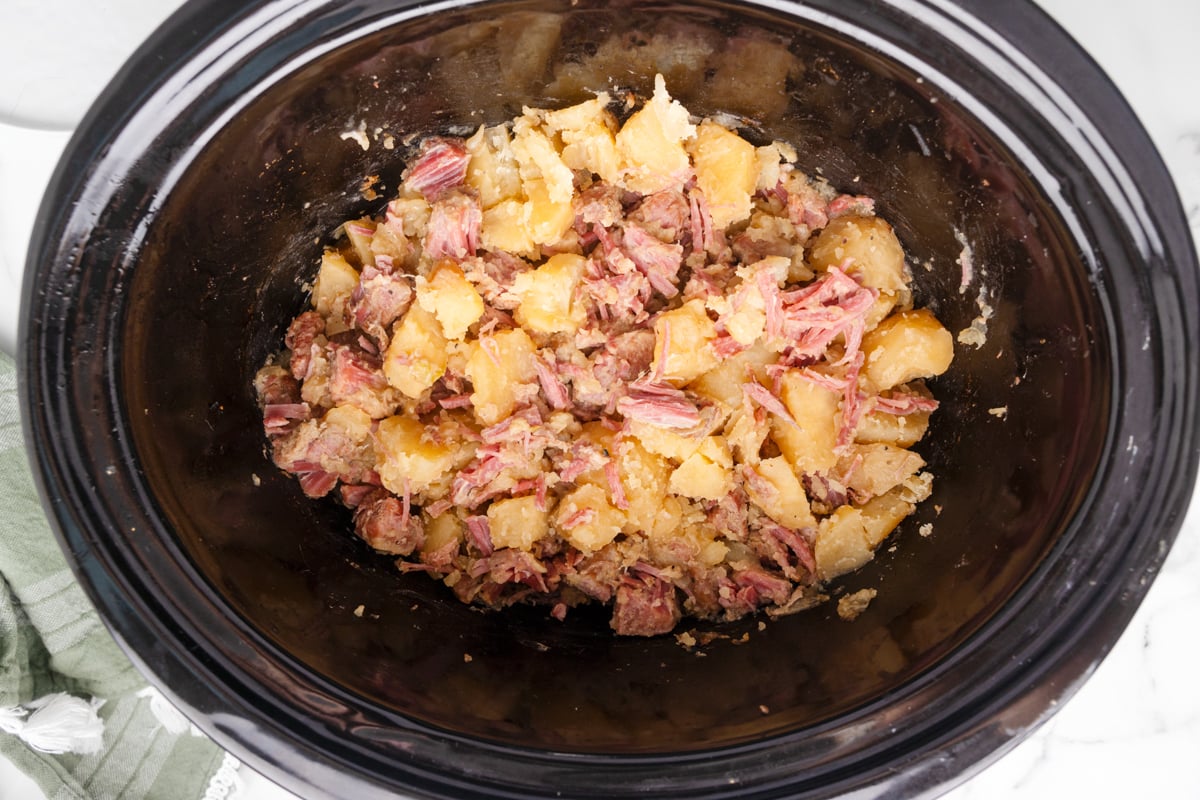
x=625, y=408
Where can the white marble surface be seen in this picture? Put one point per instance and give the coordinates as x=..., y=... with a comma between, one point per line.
x=1132, y=731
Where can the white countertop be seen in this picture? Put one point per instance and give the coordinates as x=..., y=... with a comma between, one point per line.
x=1133, y=730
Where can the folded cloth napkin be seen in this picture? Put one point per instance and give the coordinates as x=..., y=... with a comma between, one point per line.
x=75, y=715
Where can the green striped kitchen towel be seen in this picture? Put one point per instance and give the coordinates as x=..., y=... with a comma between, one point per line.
x=75, y=715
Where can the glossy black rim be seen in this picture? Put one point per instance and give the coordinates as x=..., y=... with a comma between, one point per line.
x=916, y=742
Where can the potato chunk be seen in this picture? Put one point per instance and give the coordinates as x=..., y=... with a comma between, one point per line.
x=517, y=522
x=683, y=342
x=449, y=296
x=440, y=531
x=848, y=537
x=589, y=142
x=644, y=479
x=726, y=172
x=336, y=279
x=651, y=144
x=492, y=170
x=586, y=519
x=504, y=228
x=808, y=445
x=416, y=357
x=499, y=364
x=538, y=160
x=409, y=461
x=723, y=383
x=876, y=257
x=546, y=217
x=901, y=430
x=775, y=489
x=548, y=303
x=706, y=474
x=906, y=346
x=874, y=469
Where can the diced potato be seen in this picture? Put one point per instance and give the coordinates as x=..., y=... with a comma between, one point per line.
x=412, y=213
x=448, y=295
x=503, y=228
x=881, y=515
x=360, y=232
x=664, y=441
x=538, y=160
x=809, y=445
x=416, y=356
x=651, y=143
x=726, y=172
x=517, y=522
x=440, y=531
x=405, y=455
x=492, y=170
x=723, y=383
x=644, y=479
x=580, y=116
x=841, y=545
x=779, y=493
x=771, y=159
x=351, y=419
x=884, y=304
x=683, y=337
x=874, y=469
x=497, y=366
x=848, y=537
x=548, y=303
x=901, y=430
x=706, y=474
x=586, y=519
x=593, y=149
x=746, y=435
x=586, y=130
x=335, y=281
x=906, y=346
x=877, y=259
x=546, y=218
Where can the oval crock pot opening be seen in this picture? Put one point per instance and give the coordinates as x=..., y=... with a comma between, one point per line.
x=206, y=223
x=221, y=273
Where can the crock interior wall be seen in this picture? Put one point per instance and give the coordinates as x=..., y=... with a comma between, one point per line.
x=222, y=273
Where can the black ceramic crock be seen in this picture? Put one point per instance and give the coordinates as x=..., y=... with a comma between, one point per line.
x=190, y=209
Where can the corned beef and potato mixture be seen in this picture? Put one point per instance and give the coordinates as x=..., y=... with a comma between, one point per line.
x=646, y=364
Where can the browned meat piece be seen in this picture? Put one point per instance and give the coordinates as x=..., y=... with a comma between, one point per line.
x=275, y=386
x=599, y=204
x=788, y=549
x=665, y=215
x=299, y=339
x=644, y=605
x=357, y=379
x=380, y=299
x=387, y=524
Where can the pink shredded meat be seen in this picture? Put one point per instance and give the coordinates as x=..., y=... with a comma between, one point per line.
x=440, y=165
x=453, y=229
x=659, y=404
